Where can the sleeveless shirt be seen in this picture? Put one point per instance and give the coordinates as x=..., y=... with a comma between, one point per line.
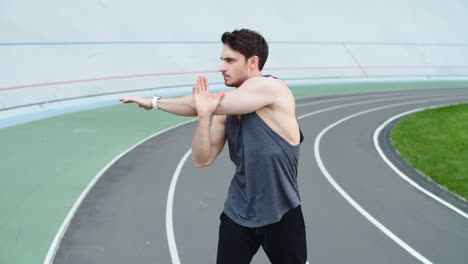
x=264, y=186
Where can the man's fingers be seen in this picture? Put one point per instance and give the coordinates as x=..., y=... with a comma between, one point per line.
x=205, y=81
x=200, y=85
x=131, y=99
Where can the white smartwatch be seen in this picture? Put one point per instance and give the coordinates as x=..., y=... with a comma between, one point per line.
x=155, y=102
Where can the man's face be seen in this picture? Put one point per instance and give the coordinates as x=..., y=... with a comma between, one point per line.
x=233, y=67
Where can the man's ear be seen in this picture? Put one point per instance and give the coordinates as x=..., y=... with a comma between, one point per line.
x=253, y=62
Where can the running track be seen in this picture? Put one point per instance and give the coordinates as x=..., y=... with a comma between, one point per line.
x=357, y=209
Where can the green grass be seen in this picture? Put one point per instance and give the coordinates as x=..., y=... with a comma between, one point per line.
x=435, y=142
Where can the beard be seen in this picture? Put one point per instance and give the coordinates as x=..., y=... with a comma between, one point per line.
x=234, y=82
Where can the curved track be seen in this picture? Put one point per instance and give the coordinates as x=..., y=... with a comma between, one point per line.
x=357, y=209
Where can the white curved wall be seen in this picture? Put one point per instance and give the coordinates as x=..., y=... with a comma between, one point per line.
x=52, y=50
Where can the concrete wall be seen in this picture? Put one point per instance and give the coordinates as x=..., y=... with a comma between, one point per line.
x=53, y=50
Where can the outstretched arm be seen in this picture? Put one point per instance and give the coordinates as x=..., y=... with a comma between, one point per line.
x=183, y=106
x=252, y=95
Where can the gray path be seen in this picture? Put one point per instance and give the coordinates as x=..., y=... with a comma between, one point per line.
x=123, y=218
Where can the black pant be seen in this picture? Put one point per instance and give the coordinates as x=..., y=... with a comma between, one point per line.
x=284, y=242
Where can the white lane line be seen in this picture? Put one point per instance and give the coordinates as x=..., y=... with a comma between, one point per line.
x=53, y=248
x=398, y=171
x=365, y=102
x=169, y=210
x=49, y=259
x=358, y=97
x=63, y=228
x=337, y=99
x=348, y=198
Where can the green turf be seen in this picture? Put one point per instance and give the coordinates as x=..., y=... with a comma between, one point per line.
x=436, y=143
x=46, y=164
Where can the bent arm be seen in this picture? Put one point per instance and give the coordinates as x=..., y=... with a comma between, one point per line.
x=208, y=141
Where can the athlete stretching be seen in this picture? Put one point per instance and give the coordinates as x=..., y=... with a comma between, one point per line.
x=258, y=120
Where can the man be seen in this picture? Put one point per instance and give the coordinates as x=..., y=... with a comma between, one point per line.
x=258, y=120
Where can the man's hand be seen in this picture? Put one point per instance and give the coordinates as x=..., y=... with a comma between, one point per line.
x=205, y=102
x=143, y=102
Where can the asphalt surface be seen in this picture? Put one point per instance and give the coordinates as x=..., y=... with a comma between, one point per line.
x=382, y=220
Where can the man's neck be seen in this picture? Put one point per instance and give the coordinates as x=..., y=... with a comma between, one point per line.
x=255, y=74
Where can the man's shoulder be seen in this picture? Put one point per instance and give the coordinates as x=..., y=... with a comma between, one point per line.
x=267, y=81
x=270, y=76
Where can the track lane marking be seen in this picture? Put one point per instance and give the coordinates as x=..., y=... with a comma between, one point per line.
x=53, y=248
x=359, y=96
x=169, y=209
x=348, y=198
x=398, y=171
x=49, y=259
x=63, y=228
x=170, y=232
x=170, y=198
x=365, y=102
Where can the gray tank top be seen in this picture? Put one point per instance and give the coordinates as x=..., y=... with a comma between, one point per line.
x=264, y=186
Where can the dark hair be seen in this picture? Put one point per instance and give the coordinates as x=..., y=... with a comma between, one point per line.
x=249, y=43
